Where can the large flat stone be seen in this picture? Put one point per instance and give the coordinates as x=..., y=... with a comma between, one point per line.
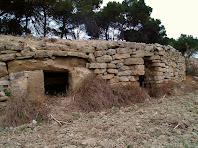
x=104, y=59
x=98, y=65
x=123, y=50
x=100, y=71
x=137, y=70
x=112, y=71
x=121, y=56
x=111, y=51
x=35, y=88
x=15, y=46
x=158, y=65
x=99, y=53
x=123, y=78
x=110, y=65
x=124, y=73
x=65, y=63
x=139, y=53
x=77, y=54
x=134, y=61
x=7, y=57
x=108, y=76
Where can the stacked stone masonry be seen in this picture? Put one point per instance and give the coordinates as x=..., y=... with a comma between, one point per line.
x=114, y=61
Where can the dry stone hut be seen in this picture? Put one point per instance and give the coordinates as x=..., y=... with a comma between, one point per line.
x=32, y=67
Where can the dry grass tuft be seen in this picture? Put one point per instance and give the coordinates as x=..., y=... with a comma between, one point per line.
x=165, y=89
x=21, y=111
x=96, y=94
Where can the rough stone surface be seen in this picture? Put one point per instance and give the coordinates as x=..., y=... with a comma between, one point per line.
x=139, y=53
x=123, y=78
x=160, y=65
x=110, y=65
x=121, y=56
x=104, y=59
x=35, y=79
x=124, y=68
x=108, y=76
x=100, y=71
x=134, y=61
x=122, y=50
x=112, y=71
x=99, y=53
x=56, y=64
x=124, y=73
x=98, y=65
x=137, y=70
x=30, y=84
x=111, y=51
x=7, y=57
x=3, y=69
x=19, y=85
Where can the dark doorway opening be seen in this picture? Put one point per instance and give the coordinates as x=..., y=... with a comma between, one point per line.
x=146, y=80
x=55, y=82
x=141, y=81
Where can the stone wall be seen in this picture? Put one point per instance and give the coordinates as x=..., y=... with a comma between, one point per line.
x=115, y=61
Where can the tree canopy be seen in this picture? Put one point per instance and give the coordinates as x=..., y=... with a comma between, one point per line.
x=130, y=20
x=186, y=44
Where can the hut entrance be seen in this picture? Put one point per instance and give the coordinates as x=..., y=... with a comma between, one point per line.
x=55, y=82
x=147, y=79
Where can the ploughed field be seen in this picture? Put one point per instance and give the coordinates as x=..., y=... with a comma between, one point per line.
x=166, y=122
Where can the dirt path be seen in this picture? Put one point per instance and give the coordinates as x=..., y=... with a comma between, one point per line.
x=167, y=122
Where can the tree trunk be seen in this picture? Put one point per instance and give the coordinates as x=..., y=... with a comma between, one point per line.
x=106, y=34
x=63, y=28
x=121, y=36
x=26, y=24
x=113, y=33
x=0, y=26
x=45, y=23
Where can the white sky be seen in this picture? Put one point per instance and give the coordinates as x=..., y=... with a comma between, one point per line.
x=178, y=16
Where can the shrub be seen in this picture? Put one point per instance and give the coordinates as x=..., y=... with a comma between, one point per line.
x=8, y=93
x=97, y=94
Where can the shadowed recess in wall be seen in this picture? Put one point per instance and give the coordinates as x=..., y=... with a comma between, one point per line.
x=55, y=82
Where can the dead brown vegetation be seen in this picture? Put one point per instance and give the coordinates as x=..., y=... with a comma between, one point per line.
x=97, y=94
x=172, y=88
x=189, y=85
x=21, y=111
x=165, y=89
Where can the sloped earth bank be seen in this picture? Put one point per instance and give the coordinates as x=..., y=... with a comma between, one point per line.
x=165, y=122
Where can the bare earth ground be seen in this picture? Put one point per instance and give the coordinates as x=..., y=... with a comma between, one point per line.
x=166, y=122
